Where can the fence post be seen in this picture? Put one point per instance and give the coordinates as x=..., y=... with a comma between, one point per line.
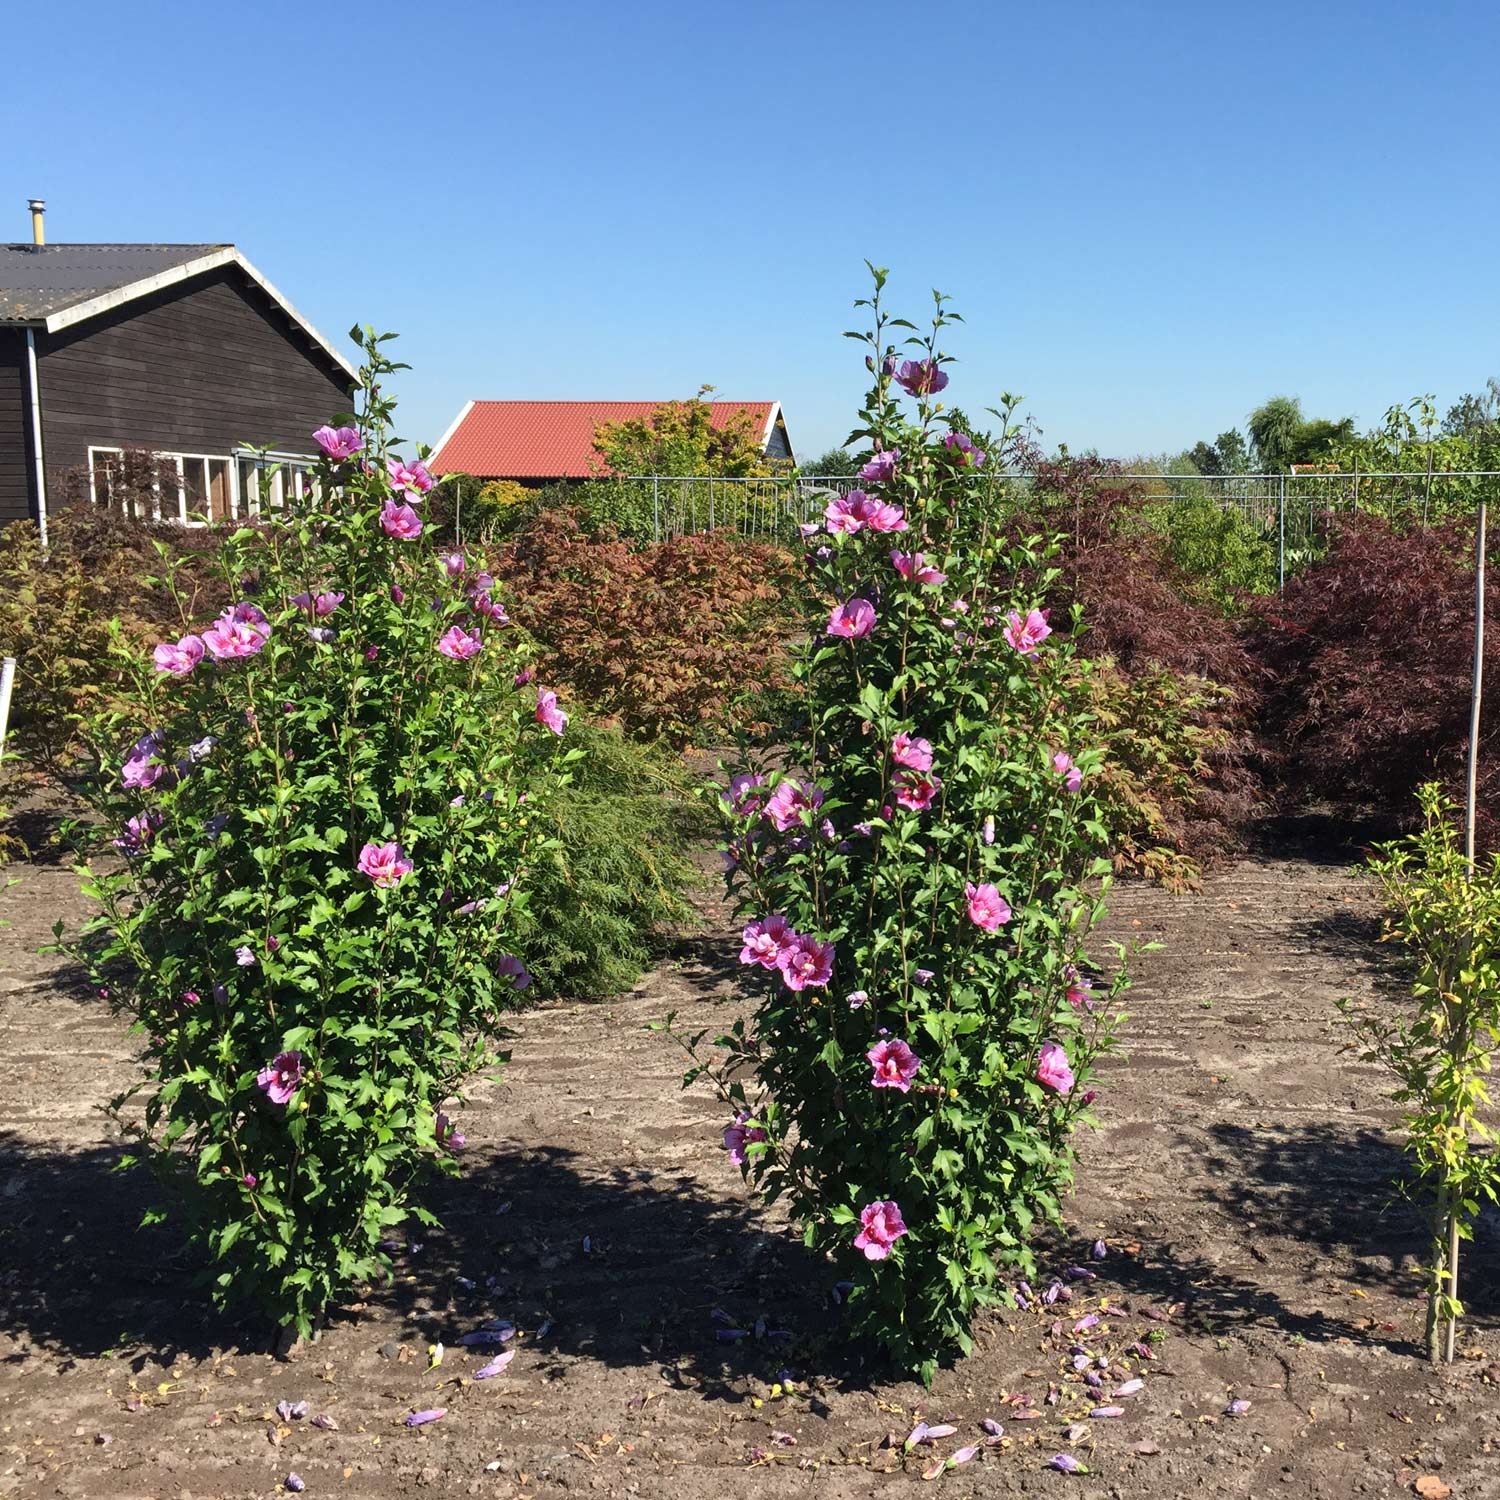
x=655, y=508
x=1281, y=536
x=1476, y=690
x=7, y=678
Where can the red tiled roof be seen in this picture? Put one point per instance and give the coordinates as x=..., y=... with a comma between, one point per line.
x=551, y=439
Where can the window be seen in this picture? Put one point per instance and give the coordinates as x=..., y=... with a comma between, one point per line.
x=187, y=487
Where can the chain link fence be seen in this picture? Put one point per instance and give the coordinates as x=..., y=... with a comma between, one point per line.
x=1291, y=514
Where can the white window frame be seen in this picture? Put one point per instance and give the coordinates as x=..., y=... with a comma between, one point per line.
x=282, y=467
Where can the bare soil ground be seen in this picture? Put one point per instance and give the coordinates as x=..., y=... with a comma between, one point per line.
x=1241, y=1183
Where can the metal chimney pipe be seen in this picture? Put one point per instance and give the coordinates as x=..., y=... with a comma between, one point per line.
x=38, y=207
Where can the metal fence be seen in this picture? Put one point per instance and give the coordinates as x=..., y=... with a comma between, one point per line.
x=1289, y=514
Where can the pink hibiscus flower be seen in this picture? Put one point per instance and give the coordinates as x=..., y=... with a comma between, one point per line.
x=849, y=513
x=339, y=443
x=139, y=832
x=745, y=796
x=1052, y=1070
x=910, y=751
x=987, y=907
x=385, y=864
x=238, y=632
x=1072, y=777
x=806, y=963
x=400, y=521
x=922, y=377
x=409, y=479
x=882, y=467
x=281, y=1077
x=739, y=1135
x=914, y=567
x=458, y=644
x=916, y=790
x=789, y=803
x=852, y=619
x=764, y=941
x=895, y=1065
x=881, y=1225
x=507, y=966
x=178, y=658
x=548, y=713
x=1026, y=635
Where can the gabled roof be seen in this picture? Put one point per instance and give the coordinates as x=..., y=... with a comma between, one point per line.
x=56, y=286
x=554, y=439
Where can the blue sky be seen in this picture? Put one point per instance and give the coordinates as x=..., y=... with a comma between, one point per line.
x=1152, y=216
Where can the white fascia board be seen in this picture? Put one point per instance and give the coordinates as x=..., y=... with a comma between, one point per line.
x=228, y=256
x=442, y=442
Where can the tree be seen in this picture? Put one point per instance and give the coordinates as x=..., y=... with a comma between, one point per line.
x=1274, y=428
x=1475, y=416
x=680, y=437
x=1283, y=436
x=1234, y=454
x=1204, y=457
x=835, y=463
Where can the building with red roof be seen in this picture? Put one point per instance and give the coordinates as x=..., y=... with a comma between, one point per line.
x=537, y=442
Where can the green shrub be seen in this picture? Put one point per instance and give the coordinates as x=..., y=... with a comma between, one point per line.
x=316, y=815
x=614, y=883
x=920, y=891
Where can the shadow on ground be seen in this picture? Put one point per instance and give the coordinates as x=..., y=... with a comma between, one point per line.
x=631, y=1267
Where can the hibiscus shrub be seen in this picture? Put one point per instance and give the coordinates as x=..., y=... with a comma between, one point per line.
x=921, y=880
x=322, y=818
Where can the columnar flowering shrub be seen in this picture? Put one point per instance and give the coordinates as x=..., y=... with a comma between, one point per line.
x=321, y=805
x=918, y=880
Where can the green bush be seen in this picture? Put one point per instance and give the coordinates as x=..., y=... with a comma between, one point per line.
x=1220, y=555
x=615, y=881
x=316, y=816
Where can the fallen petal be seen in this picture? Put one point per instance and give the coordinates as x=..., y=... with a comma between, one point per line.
x=918, y=1434
x=962, y=1456
x=1108, y=1411
x=1075, y=1432
x=482, y=1337
x=783, y=1439
x=1065, y=1463
x=935, y=1468
x=1236, y=1408
x=495, y=1366
x=1100, y=1250
x=1080, y=1273
x=992, y=1427
x=295, y=1483
x=284, y=1410
x=942, y=1430
x=324, y=1421
x=422, y=1418
x=1130, y=1388
x=1090, y=1320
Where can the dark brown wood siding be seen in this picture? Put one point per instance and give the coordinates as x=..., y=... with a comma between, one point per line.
x=778, y=445
x=203, y=367
x=15, y=430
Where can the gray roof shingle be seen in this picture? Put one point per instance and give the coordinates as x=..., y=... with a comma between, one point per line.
x=36, y=281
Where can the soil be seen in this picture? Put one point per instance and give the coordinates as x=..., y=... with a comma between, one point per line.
x=1241, y=1184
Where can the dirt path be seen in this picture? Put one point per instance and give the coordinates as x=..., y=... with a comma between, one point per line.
x=1241, y=1182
